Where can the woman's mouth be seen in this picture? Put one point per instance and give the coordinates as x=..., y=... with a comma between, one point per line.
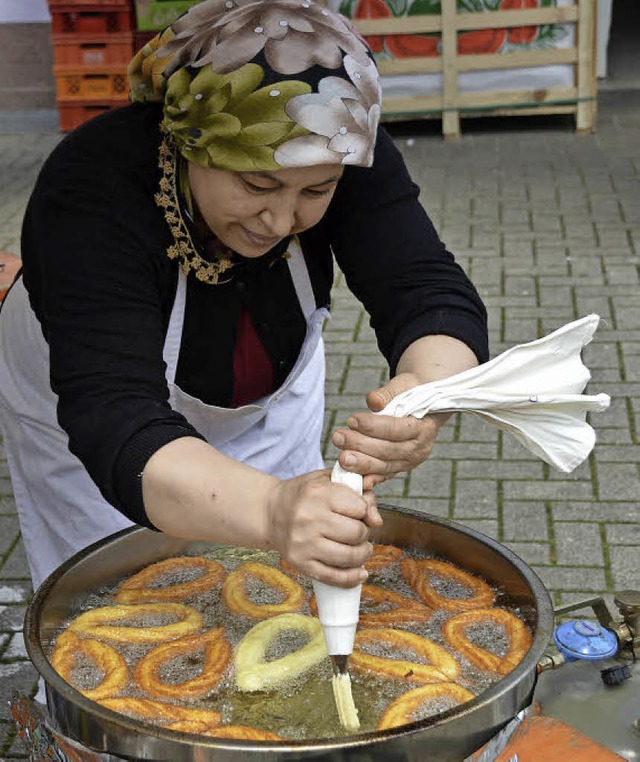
x=260, y=240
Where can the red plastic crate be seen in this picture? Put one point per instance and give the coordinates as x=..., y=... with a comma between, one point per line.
x=81, y=3
x=74, y=113
x=90, y=19
x=106, y=83
x=76, y=50
x=140, y=39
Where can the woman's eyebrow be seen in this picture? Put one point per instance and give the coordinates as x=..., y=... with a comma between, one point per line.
x=272, y=178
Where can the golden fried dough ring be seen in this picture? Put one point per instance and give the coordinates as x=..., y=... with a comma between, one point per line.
x=443, y=666
x=136, y=589
x=516, y=630
x=402, y=610
x=238, y=732
x=217, y=653
x=382, y=556
x=91, y=623
x=106, y=658
x=417, y=573
x=235, y=596
x=159, y=712
x=253, y=673
x=400, y=711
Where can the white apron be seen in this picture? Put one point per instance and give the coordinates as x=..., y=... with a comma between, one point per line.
x=60, y=509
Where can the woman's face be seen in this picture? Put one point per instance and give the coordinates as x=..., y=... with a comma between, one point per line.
x=251, y=212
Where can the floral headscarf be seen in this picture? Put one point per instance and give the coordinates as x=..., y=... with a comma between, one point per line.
x=258, y=85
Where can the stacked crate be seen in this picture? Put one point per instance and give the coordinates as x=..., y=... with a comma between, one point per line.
x=92, y=45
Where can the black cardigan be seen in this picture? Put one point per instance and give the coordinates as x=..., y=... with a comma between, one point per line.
x=102, y=286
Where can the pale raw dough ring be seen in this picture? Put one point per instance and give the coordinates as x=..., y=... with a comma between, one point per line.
x=104, y=656
x=417, y=571
x=235, y=596
x=516, y=630
x=136, y=589
x=253, y=673
x=442, y=667
x=399, y=711
x=217, y=655
x=92, y=623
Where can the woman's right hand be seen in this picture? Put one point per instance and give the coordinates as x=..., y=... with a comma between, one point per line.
x=322, y=528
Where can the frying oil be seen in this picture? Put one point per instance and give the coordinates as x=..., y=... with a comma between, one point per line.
x=303, y=708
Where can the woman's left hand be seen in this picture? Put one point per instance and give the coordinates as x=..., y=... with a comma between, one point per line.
x=379, y=447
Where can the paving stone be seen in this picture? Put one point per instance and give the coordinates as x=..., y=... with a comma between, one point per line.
x=531, y=552
x=549, y=490
x=15, y=565
x=9, y=532
x=618, y=481
x=578, y=543
x=625, y=568
x=596, y=511
x=11, y=617
x=475, y=498
x=524, y=521
x=18, y=676
x=624, y=534
x=586, y=579
x=431, y=479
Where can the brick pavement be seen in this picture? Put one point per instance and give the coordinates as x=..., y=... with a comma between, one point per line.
x=547, y=224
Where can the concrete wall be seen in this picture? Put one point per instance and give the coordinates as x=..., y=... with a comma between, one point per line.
x=26, y=58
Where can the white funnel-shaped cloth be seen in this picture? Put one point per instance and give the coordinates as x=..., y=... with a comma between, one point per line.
x=533, y=391
x=339, y=608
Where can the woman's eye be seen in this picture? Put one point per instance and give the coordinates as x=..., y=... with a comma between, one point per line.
x=256, y=188
x=318, y=193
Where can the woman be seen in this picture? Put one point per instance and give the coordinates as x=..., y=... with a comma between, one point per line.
x=161, y=358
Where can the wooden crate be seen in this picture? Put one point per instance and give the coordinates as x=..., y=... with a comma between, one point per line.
x=450, y=103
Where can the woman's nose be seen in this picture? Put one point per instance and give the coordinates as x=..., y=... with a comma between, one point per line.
x=280, y=217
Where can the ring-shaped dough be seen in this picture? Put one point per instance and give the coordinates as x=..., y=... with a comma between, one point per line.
x=237, y=732
x=515, y=629
x=136, y=589
x=401, y=610
x=253, y=673
x=417, y=572
x=400, y=711
x=92, y=623
x=159, y=712
x=443, y=666
x=217, y=653
x=111, y=663
x=383, y=556
x=235, y=596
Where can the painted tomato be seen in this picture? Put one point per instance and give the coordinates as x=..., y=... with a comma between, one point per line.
x=372, y=9
x=520, y=35
x=413, y=45
x=481, y=41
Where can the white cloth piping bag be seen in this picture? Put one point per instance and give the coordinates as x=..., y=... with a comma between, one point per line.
x=532, y=391
x=338, y=607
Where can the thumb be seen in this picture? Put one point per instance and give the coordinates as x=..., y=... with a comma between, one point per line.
x=379, y=398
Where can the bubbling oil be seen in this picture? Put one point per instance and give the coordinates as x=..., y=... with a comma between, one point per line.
x=303, y=708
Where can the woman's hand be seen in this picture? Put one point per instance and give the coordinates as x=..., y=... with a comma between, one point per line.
x=381, y=446
x=322, y=528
